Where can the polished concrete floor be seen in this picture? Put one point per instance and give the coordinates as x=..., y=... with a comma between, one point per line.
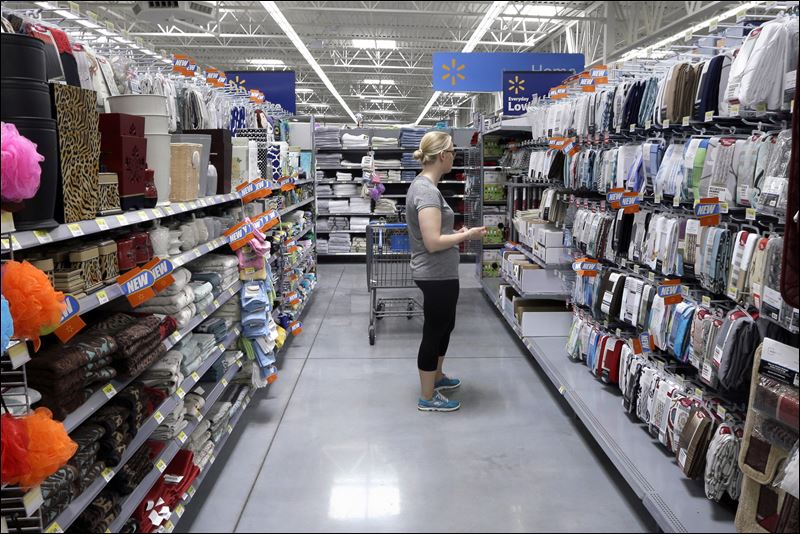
x=337, y=444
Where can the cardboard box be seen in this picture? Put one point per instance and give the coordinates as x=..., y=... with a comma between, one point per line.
x=508, y=294
x=549, y=237
x=540, y=281
x=552, y=255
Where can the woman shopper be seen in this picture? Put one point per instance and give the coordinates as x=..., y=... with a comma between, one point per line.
x=434, y=266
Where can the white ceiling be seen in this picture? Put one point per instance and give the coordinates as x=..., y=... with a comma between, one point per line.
x=240, y=32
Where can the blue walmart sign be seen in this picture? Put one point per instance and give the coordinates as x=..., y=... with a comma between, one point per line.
x=482, y=72
x=278, y=86
x=519, y=86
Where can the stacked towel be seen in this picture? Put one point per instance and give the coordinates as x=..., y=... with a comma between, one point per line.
x=200, y=436
x=196, y=348
x=217, y=326
x=138, y=341
x=409, y=161
x=359, y=223
x=384, y=142
x=62, y=372
x=360, y=205
x=162, y=498
x=355, y=140
x=359, y=245
x=338, y=243
x=173, y=424
x=338, y=223
x=411, y=137
x=165, y=374
x=393, y=176
x=324, y=190
x=338, y=206
x=387, y=163
x=386, y=206
x=220, y=270
x=319, y=175
x=322, y=246
x=327, y=138
x=230, y=311
x=407, y=176
x=219, y=415
x=344, y=176
x=327, y=160
x=322, y=224
x=194, y=404
x=345, y=190
x=99, y=515
x=323, y=206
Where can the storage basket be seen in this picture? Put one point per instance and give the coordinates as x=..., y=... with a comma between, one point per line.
x=87, y=260
x=109, y=264
x=108, y=198
x=185, y=171
x=47, y=266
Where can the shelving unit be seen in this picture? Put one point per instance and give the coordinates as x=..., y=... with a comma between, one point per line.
x=640, y=459
x=394, y=189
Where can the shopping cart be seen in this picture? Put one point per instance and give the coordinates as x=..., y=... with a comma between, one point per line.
x=389, y=267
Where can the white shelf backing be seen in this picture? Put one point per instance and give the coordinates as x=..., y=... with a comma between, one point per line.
x=676, y=503
x=34, y=238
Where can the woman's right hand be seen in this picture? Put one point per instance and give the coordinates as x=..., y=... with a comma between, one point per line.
x=476, y=233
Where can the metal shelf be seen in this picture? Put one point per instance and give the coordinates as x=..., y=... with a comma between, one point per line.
x=29, y=239
x=676, y=503
x=132, y=501
x=295, y=206
x=79, y=504
x=333, y=197
x=341, y=231
x=547, y=295
x=350, y=214
x=223, y=297
x=100, y=397
x=364, y=254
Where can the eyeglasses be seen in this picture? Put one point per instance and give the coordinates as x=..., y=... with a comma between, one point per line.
x=450, y=151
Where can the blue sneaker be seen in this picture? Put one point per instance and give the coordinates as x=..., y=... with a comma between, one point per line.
x=446, y=383
x=439, y=403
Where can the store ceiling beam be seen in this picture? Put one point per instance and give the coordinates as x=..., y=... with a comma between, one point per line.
x=280, y=20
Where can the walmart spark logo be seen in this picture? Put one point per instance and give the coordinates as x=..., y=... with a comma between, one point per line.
x=453, y=72
x=516, y=85
x=238, y=83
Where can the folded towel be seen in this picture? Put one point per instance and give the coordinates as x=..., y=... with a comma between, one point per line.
x=213, y=262
x=184, y=317
x=194, y=404
x=201, y=289
x=80, y=351
x=171, y=305
x=218, y=411
x=182, y=277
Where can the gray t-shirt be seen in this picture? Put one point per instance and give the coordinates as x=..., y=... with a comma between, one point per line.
x=442, y=265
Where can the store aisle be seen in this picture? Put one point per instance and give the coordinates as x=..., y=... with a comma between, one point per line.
x=337, y=444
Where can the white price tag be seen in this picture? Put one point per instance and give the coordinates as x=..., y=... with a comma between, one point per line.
x=195, y=376
x=109, y=390
x=734, y=109
x=709, y=116
x=102, y=224
x=632, y=129
x=723, y=207
x=717, y=358
x=159, y=417
x=32, y=500
x=42, y=237
x=168, y=526
x=19, y=355
x=651, y=276
x=161, y=465
x=7, y=222
x=230, y=429
x=75, y=229
x=707, y=372
x=216, y=304
x=619, y=129
x=676, y=201
x=750, y=214
x=705, y=300
x=102, y=296
x=685, y=121
x=647, y=125
x=665, y=123
x=657, y=198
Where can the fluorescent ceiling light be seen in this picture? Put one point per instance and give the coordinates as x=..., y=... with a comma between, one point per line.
x=638, y=52
x=304, y=90
x=486, y=23
x=386, y=44
x=383, y=81
x=381, y=111
x=103, y=31
x=283, y=24
x=267, y=62
x=382, y=101
x=314, y=104
x=458, y=95
x=532, y=11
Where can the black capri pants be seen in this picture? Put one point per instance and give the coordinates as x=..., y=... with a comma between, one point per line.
x=439, y=306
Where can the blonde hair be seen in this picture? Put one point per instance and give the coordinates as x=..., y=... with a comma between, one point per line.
x=432, y=144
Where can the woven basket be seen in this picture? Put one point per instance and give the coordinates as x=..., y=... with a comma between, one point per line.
x=185, y=171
